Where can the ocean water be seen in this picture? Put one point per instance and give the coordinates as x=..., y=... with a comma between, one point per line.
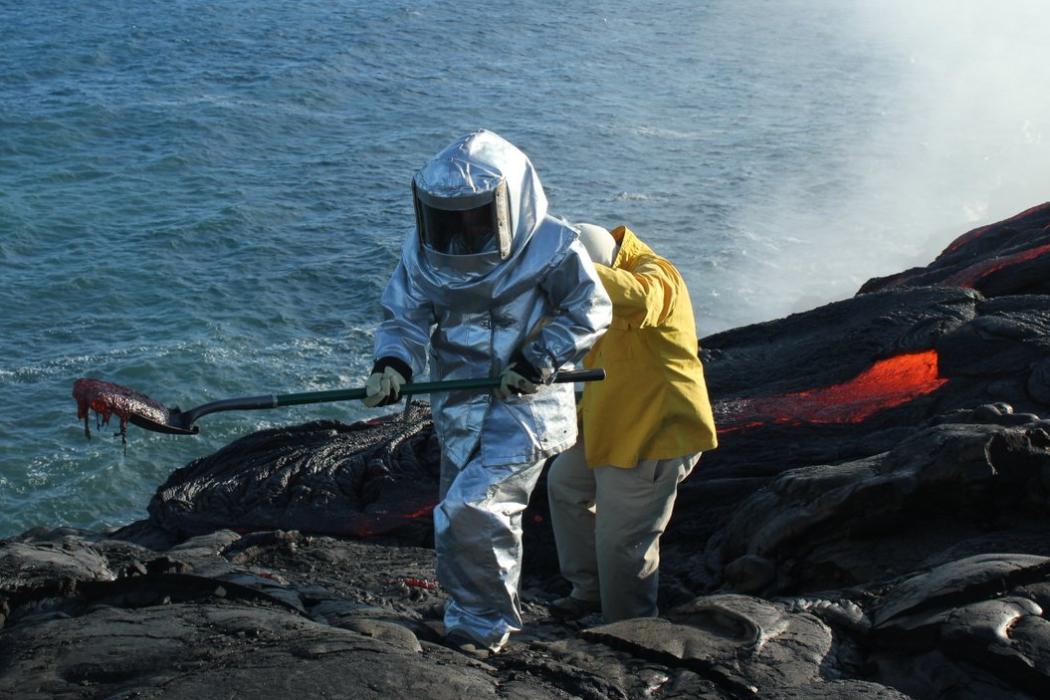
x=203, y=200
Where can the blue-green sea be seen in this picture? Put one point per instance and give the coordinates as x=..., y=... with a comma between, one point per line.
x=203, y=200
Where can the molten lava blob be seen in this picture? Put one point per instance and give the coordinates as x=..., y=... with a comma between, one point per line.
x=107, y=399
x=887, y=383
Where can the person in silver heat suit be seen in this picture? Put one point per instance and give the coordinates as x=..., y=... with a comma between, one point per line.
x=489, y=284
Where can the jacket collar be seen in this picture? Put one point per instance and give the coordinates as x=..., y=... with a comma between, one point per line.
x=631, y=247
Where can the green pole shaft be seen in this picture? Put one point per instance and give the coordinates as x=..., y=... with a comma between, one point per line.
x=585, y=375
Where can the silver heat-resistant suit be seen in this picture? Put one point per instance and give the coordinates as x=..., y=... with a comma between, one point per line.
x=531, y=290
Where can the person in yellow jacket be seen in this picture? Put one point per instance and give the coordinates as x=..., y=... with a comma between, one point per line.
x=642, y=432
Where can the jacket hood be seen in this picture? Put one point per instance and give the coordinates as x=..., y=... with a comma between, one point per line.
x=472, y=165
x=477, y=163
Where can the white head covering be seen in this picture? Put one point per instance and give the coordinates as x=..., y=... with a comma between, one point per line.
x=600, y=244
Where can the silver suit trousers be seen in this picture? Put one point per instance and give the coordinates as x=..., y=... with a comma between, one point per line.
x=477, y=533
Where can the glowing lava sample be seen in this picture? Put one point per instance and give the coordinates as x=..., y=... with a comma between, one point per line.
x=107, y=399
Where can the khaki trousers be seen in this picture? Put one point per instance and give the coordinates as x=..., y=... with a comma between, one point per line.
x=607, y=525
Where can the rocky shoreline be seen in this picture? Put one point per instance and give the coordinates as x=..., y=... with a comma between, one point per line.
x=874, y=524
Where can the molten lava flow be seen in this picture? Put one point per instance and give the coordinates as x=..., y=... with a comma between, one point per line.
x=425, y=512
x=887, y=383
x=972, y=275
x=107, y=399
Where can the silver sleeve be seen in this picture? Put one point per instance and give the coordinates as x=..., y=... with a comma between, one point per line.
x=408, y=318
x=583, y=312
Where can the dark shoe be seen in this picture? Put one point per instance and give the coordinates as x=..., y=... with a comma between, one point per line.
x=466, y=645
x=569, y=608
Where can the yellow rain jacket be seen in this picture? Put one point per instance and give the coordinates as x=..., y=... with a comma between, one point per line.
x=653, y=403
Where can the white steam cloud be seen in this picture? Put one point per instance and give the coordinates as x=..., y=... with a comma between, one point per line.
x=960, y=138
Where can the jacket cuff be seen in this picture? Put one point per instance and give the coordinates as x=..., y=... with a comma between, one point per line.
x=395, y=363
x=529, y=370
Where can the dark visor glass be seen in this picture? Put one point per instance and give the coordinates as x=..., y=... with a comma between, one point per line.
x=465, y=232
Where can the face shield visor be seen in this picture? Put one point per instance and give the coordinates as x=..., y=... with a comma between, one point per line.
x=468, y=225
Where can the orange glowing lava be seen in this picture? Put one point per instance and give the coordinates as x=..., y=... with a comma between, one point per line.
x=887, y=383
